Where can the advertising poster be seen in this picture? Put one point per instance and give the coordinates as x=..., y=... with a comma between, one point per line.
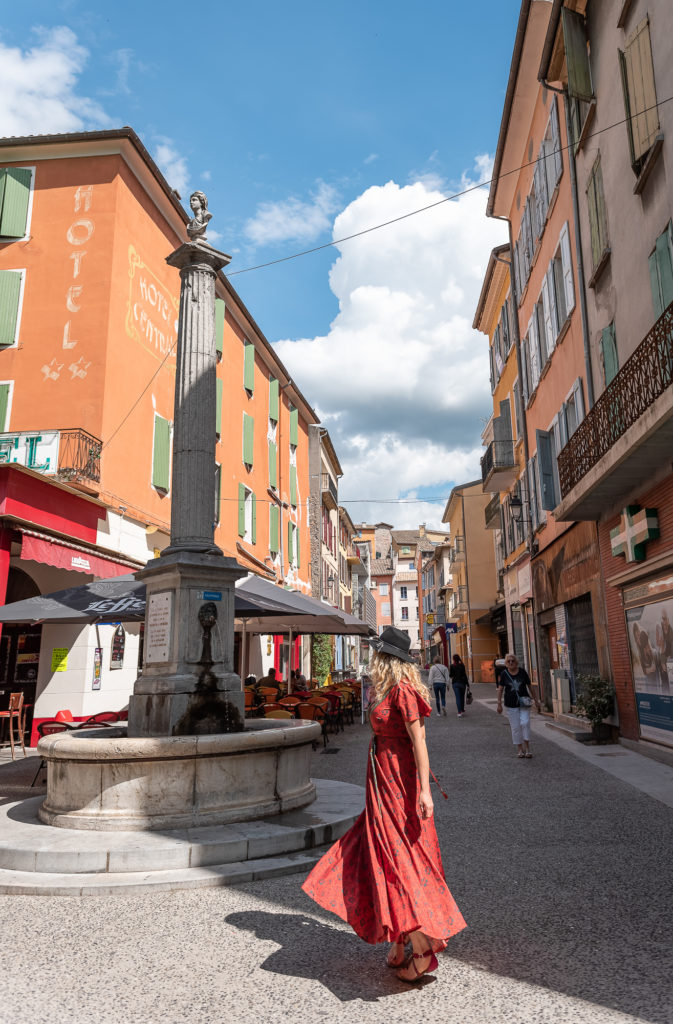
x=118, y=645
x=59, y=659
x=650, y=630
x=97, y=668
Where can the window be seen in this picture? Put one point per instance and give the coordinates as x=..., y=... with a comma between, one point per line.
x=572, y=412
x=274, y=528
x=161, y=454
x=274, y=400
x=15, y=201
x=403, y=593
x=383, y=590
x=247, y=514
x=249, y=367
x=292, y=545
x=537, y=516
x=609, y=355
x=385, y=609
x=11, y=296
x=220, y=309
x=640, y=97
x=294, y=427
x=661, y=272
x=411, y=566
x=273, y=464
x=405, y=613
x=406, y=551
x=248, y=439
x=598, y=226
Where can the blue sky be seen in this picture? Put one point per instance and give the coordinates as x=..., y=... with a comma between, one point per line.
x=303, y=122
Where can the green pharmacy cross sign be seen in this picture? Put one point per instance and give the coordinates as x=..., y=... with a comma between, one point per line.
x=636, y=527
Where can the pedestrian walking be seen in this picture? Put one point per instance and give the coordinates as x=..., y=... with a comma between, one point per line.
x=438, y=679
x=514, y=684
x=460, y=682
x=385, y=876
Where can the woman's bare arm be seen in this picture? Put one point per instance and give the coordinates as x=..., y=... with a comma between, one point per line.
x=416, y=732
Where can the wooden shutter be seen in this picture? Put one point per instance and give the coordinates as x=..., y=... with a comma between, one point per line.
x=556, y=141
x=161, y=455
x=525, y=371
x=549, y=310
x=533, y=493
x=294, y=426
x=253, y=518
x=293, y=486
x=610, y=357
x=10, y=291
x=274, y=392
x=640, y=93
x=578, y=398
x=297, y=559
x=665, y=267
x=248, y=439
x=4, y=405
x=274, y=516
x=273, y=464
x=577, y=55
x=241, y=509
x=218, y=492
x=249, y=367
x=545, y=470
x=290, y=552
x=218, y=406
x=15, y=202
x=534, y=358
x=567, y=266
x=219, y=324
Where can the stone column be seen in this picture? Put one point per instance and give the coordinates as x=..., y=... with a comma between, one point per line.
x=188, y=686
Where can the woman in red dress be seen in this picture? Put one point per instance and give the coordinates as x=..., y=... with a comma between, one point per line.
x=384, y=876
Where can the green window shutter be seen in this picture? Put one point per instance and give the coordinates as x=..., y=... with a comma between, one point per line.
x=15, y=202
x=254, y=519
x=4, y=403
x=290, y=554
x=294, y=426
x=249, y=367
x=218, y=492
x=577, y=56
x=665, y=267
x=274, y=393
x=273, y=464
x=248, y=438
x=161, y=456
x=10, y=290
x=297, y=560
x=241, y=510
x=273, y=528
x=657, y=300
x=293, y=485
x=219, y=324
x=610, y=359
x=218, y=407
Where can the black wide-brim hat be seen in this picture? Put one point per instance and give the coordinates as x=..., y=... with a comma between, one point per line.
x=394, y=642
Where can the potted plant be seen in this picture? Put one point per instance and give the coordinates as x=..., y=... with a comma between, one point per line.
x=596, y=702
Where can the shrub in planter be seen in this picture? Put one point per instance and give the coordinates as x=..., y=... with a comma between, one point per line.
x=595, y=702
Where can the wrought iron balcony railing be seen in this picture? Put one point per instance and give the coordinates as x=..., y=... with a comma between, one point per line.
x=643, y=378
x=492, y=513
x=329, y=490
x=68, y=454
x=498, y=457
x=457, y=553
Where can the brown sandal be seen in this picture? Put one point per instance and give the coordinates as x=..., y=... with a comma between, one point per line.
x=432, y=966
x=398, y=963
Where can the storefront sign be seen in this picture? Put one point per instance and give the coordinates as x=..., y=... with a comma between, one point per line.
x=430, y=619
x=158, y=627
x=650, y=631
x=97, y=668
x=636, y=527
x=59, y=659
x=118, y=645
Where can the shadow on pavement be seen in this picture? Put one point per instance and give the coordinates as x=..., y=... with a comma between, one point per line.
x=339, y=960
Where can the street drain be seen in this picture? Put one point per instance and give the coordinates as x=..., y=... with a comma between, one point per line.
x=610, y=754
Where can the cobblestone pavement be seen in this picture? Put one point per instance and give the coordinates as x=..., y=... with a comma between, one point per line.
x=562, y=871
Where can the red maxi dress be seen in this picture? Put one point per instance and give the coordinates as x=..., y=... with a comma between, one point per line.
x=384, y=876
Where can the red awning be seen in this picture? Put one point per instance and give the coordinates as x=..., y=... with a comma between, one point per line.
x=52, y=552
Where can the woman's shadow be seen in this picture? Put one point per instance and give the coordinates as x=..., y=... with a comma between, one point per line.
x=340, y=961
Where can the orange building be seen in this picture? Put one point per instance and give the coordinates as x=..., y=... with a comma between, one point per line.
x=88, y=326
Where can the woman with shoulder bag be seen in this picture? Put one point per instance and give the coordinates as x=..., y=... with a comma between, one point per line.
x=460, y=683
x=514, y=683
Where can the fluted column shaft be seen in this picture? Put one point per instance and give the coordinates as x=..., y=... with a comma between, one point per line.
x=193, y=475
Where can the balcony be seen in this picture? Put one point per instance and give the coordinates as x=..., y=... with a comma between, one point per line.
x=628, y=435
x=458, y=603
x=492, y=513
x=330, y=493
x=355, y=560
x=498, y=466
x=457, y=552
x=70, y=455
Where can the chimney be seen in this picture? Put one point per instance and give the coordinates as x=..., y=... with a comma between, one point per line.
x=421, y=530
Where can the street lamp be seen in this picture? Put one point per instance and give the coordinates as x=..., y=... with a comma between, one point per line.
x=516, y=509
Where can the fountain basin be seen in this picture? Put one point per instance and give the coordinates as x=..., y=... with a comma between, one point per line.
x=101, y=779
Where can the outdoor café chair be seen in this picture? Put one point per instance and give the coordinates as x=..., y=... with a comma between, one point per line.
x=268, y=691
x=348, y=702
x=335, y=708
x=323, y=703
x=48, y=729
x=272, y=705
x=14, y=718
x=290, y=700
x=249, y=702
x=101, y=718
x=312, y=713
x=278, y=713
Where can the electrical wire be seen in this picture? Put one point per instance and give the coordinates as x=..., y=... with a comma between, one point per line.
x=439, y=202
x=155, y=374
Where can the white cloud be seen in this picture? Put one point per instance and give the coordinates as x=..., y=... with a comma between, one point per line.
x=371, y=158
x=293, y=219
x=38, y=86
x=173, y=165
x=401, y=379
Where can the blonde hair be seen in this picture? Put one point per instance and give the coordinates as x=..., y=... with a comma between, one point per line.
x=386, y=671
